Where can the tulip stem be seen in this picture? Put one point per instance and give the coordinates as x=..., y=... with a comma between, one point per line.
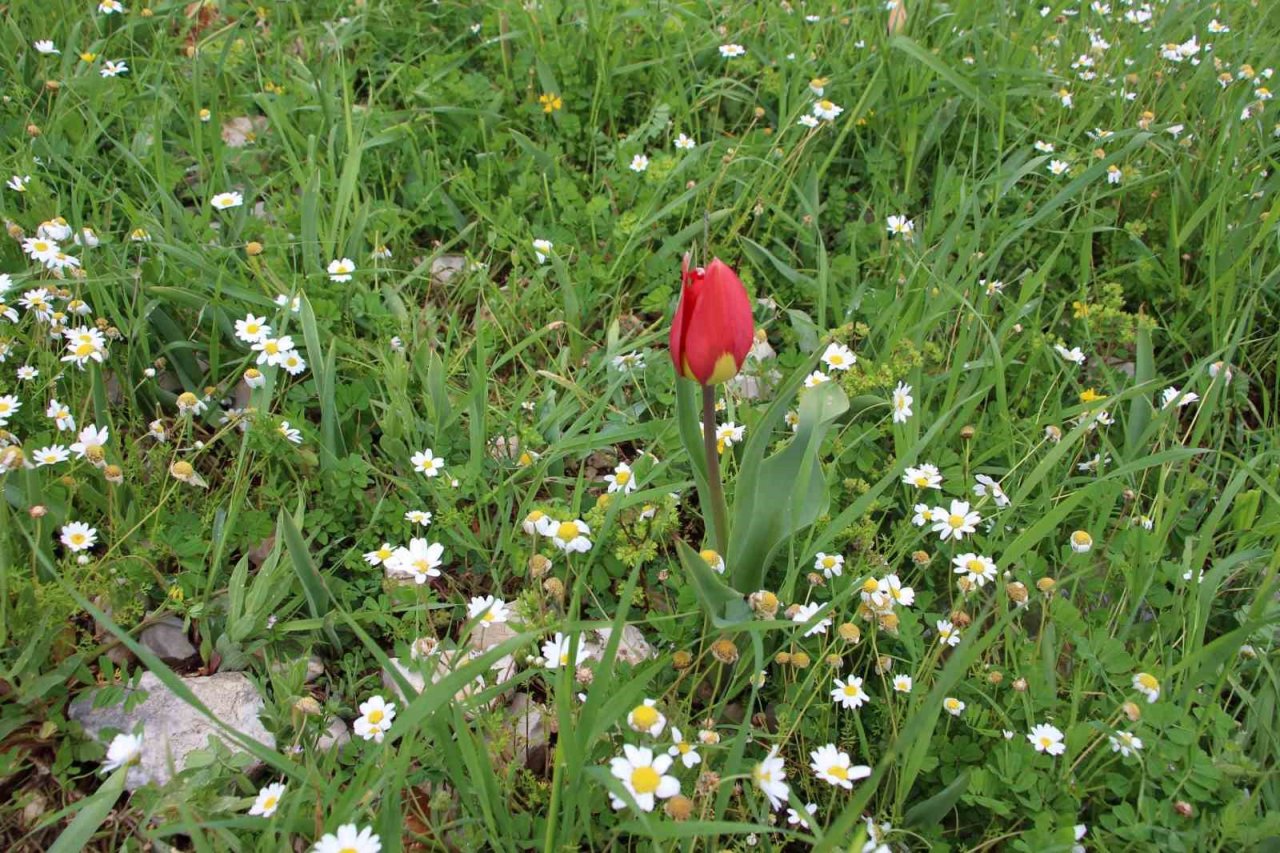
x=719, y=511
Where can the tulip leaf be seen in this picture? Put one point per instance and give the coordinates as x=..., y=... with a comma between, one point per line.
x=726, y=606
x=687, y=419
x=783, y=494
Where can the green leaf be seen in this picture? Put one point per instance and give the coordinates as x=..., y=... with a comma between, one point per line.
x=726, y=606
x=317, y=594
x=781, y=495
x=93, y=812
x=931, y=811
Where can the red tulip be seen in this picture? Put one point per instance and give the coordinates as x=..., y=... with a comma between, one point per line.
x=713, y=329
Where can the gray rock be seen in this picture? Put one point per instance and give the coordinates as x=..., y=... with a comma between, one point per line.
x=633, y=648
x=337, y=735
x=445, y=267
x=441, y=663
x=168, y=639
x=172, y=729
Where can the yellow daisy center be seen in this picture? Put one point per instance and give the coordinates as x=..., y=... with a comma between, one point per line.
x=850, y=690
x=1148, y=681
x=684, y=748
x=567, y=530
x=956, y=520
x=271, y=347
x=85, y=350
x=645, y=780
x=974, y=566
x=622, y=478
x=375, y=716
x=838, y=772
x=828, y=562
x=870, y=585
x=644, y=716
x=1046, y=741
x=77, y=538
x=269, y=803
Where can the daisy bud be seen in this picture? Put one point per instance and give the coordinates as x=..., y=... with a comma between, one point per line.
x=584, y=675
x=539, y=566
x=38, y=511
x=725, y=651
x=889, y=622
x=554, y=587
x=708, y=782
x=253, y=249
x=1046, y=585
x=995, y=676
x=791, y=611
x=960, y=619
x=11, y=458
x=800, y=660
x=1132, y=711
x=782, y=658
x=1020, y=685
x=308, y=706
x=834, y=661
x=764, y=603
x=967, y=431
x=681, y=659
x=1183, y=808
x=713, y=329
x=1017, y=592
x=114, y=474
x=815, y=579
x=33, y=130
x=884, y=664
x=921, y=558
x=52, y=85
x=849, y=632
x=253, y=378
x=679, y=807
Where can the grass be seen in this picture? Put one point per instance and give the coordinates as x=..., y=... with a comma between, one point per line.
x=347, y=127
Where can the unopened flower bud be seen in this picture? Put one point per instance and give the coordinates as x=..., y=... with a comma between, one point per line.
x=1017, y=592
x=681, y=659
x=114, y=474
x=308, y=705
x=921, y=558
x=725, y=651
x=884, y=664
x=253, y=248
x=800, y=660
x=38, y=511
x=764, y=603
x=967, y=431
x=1132, y=711
x=1046, y=585
x=1183, y=808
x=849, y=632
x=679, y=807
x=554, y=587
x=584, y=675
x=539, y=566
x=834, y=661
x=995, y=676
x=1020, y=685
x=782, y=658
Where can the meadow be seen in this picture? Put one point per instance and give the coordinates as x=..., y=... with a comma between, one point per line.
x=353, y=499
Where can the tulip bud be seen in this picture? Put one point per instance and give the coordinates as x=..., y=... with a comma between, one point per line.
x=712, y=330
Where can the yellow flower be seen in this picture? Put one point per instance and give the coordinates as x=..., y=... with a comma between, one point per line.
x=1089, y=395
x=550, y=102
x=87, y=56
